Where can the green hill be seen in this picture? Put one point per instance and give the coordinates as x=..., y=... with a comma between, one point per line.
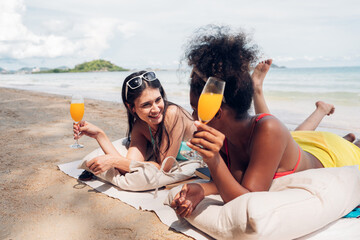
x=92, y=66
x=97, y=66
x=276, y=66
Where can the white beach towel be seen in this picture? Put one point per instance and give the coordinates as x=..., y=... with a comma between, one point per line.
x=139, y=200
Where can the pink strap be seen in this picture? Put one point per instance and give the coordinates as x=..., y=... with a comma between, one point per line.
x=281, y=174
x=261, y=116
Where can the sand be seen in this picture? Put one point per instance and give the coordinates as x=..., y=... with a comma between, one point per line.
x=38, y=201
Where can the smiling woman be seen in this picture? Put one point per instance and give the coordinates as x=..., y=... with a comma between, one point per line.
x=154, y=123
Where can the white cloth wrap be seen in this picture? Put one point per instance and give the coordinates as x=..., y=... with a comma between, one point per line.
x=142, y=175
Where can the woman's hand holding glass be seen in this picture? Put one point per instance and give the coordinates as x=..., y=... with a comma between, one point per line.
x=208, y=105
x=207, y=142
x=87, y=129
x=98, y=164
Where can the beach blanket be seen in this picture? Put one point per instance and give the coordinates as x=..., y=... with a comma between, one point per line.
x=139, y=200
x=345, y=228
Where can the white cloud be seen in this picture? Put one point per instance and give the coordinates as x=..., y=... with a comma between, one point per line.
x=57, y=25
x=128, y=29
x=83, y=38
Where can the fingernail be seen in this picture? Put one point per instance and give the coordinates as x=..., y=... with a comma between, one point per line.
x=196, y=123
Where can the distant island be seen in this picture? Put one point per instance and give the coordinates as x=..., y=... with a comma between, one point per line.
x=276, y=66
x=93, y=66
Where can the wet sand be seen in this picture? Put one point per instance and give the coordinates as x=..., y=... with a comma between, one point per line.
x=38, y=201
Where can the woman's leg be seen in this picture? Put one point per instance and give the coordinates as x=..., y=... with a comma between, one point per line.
x=258, y=77
x=313, y=121
x=260, y=106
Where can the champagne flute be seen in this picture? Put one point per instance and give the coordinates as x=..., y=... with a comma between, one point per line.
x=208, y=105
x=77, y=113
x=210, y=99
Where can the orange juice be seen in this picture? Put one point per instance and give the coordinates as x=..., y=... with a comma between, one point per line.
x=77, y=111
x=209, y=104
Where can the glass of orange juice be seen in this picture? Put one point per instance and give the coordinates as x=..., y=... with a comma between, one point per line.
x=77, y=112
x=208, y=105
x=210, y=99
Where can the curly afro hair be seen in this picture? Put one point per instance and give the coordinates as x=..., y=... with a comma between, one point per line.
x=214, y=51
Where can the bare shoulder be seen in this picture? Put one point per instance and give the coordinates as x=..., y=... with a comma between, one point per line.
x=269, y=140
x=270, y=125
x=172, y=110
x=175, y=112
x=179, y=119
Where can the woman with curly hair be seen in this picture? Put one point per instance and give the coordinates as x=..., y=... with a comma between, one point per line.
x=245, y=153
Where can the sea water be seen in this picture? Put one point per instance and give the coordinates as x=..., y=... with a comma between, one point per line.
x=291, y=93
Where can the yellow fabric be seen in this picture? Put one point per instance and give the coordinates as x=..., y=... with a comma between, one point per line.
x=331, y=149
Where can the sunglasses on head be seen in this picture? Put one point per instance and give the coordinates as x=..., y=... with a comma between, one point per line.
x=137, y=81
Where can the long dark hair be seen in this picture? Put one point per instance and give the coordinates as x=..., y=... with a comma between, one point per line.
x=132, y=95
x=214, y=51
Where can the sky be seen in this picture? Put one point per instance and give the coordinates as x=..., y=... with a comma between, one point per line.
x=139, y=34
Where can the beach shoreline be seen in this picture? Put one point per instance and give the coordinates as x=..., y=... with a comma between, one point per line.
x=38, y=200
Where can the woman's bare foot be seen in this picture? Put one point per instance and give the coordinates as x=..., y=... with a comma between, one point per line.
x=259, y=74
x=350, y=137
x=357, y=143
x=325, y=108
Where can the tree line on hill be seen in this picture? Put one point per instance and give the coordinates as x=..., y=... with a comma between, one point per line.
x=92, y=66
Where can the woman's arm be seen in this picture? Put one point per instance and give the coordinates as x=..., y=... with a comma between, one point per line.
x=211, y=141
x=258, y=176
x=271, y=142
x=90, y=130
x=190, y=195
x=112, y=158
x=267, y=147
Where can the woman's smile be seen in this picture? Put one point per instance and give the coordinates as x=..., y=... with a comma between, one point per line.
x=155, y=116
